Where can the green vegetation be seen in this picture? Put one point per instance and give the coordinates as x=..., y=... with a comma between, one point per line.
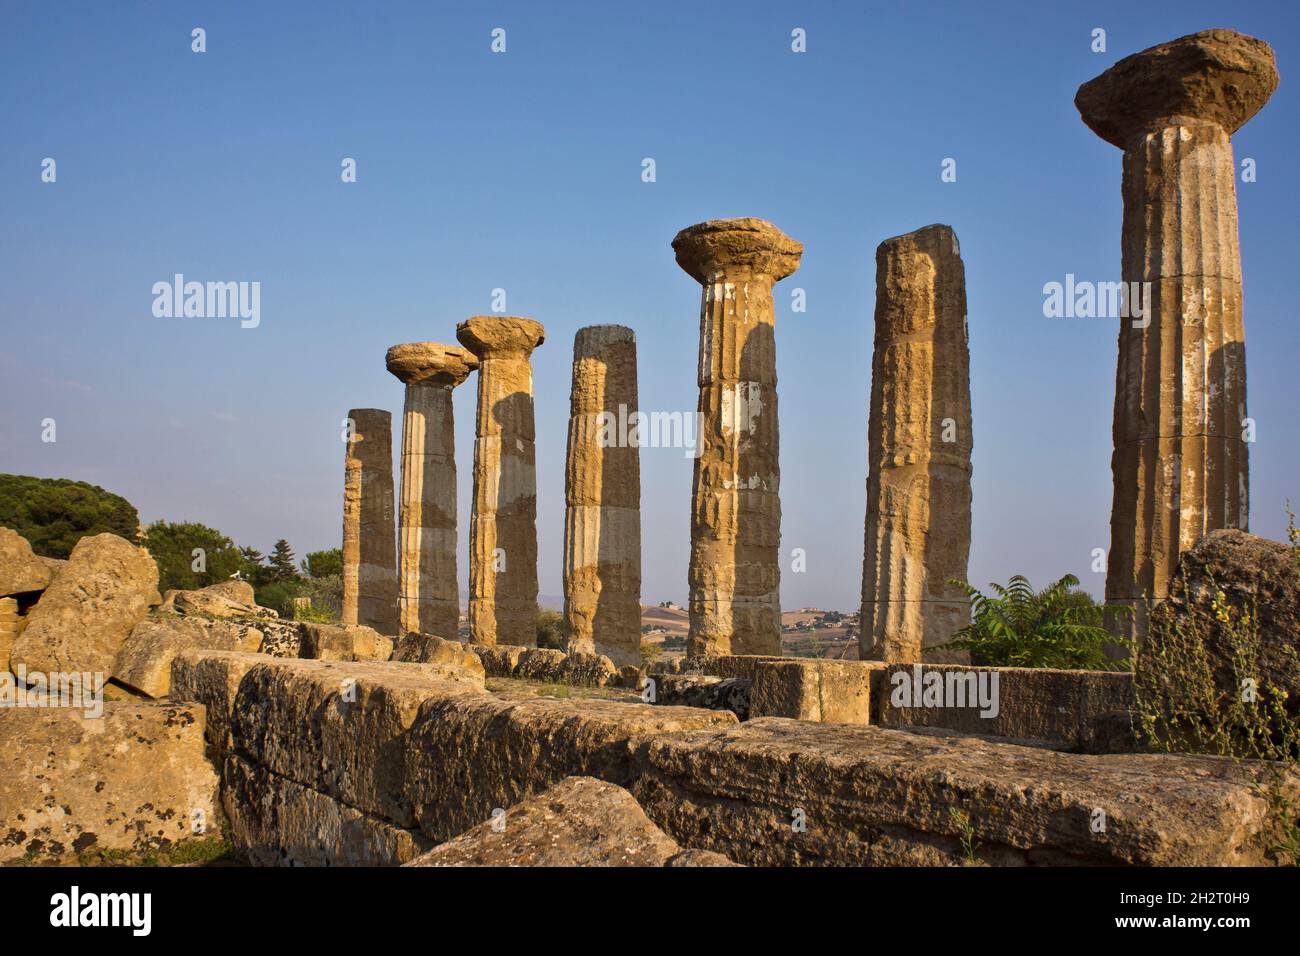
x=1020, y=627
x=550, y=629
x=649, y=652
x=966, y=835
x=174, y=548
x=324, y=564
x=54, y=513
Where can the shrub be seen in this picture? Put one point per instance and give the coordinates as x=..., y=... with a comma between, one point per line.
x=1020, y=627
x=173, y=548
x=550, y=629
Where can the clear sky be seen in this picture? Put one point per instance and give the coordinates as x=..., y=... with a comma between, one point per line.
x=523, y=171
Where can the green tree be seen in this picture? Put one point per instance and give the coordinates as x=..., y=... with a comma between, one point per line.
x=174, y=547
x=324, y=564
x=1020, y=627
x=283, y=565
x=53, y=514
x=550, y=629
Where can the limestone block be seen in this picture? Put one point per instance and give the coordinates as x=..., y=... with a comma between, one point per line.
x=20, y=570
x=831, y=692
x=144, y=662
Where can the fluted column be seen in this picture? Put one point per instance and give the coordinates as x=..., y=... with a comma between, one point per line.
x=503, y=524
x=918, y=451
x=1180, y=465
x=602, y=498
x=429, y=598
x=369, y=541
x=734, y=574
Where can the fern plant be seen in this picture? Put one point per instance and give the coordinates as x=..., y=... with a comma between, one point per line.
x=1017, y=626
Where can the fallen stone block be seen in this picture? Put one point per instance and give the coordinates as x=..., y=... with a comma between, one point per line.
x=580, y=821
x=775, y=792
x=212, y=678
x=698, y=690
x=223, y=600
x=587, y=670
x=343, y=642
x=499, y=660
x=829, y=692
x=744, y=666
x=134, y=778
x=279, y=638
x=467, y=756
x=21, y=571
x=277, y=822
x=540, y=663
x=144, y=662
x=1070, y=709
x=87, y=612
x=340, y=727
x=428, y=649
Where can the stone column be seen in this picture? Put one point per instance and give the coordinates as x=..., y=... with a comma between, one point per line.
x=369, y=547
x=1180, y=463
x=602, y=498
x=503, y=526
x=429, y=598
x=734, y=574
x=918, y=451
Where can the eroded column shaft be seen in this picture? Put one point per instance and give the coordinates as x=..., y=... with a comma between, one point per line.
x=430, y=601
x=919, y=451
x=734, y=573
x=1180, y=465
x=369, y=540
x=602, y=496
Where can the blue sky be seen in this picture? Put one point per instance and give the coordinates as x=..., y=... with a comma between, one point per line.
x=522, y=171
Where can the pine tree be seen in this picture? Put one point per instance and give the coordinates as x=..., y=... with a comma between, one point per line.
x=284, y=566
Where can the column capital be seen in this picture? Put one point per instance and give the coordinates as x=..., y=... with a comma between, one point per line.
x=720, y=247
x=1215, y=76
x=431, y=362
x=488, y=336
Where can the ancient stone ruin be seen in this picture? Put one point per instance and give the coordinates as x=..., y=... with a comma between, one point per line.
x=503, y=530
x=369, y=551
x=387, y=740
x=1180, y=464
x=602, y=499
x=918, y=450
x=735, y=573
x=429, y=599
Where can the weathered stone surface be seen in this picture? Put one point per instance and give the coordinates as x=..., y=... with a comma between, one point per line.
x=428, y=649
x=211, y=678
x=226, y=599
x=588, y=670
x=631, y=677
x=602, y=498
x=830, y=692
x=369, y=536
x=540, y=663
x=277, y=822
x=727, y=665
x=429, y=599
x=343, y=642
x=1256, y=576
x=134, y=778
x=84, y=616
x=470, y=755
x=581, y=821
x=711, y=693
x=11, y=625
x=918, y=450
x=877, y=797
x=144, y=661
x=1180, y=463
x=503, y=531
x=734, y=572
x=1221, y=76
x=499, y=660
x=20, y=570
x=340, y=727
x=1069, y=709
x=280, y=638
